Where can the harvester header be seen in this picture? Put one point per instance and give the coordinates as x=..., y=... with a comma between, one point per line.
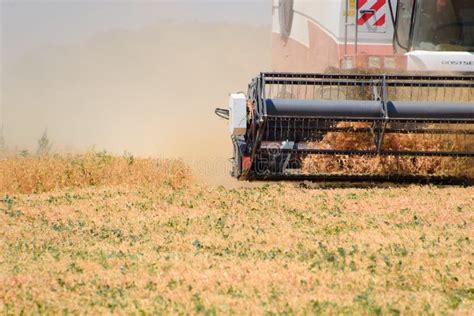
x=354, y=127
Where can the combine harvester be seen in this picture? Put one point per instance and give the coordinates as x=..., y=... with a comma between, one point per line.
x=383, y=91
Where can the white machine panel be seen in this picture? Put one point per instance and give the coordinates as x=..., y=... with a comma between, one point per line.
x=237, y=114
x=440, y=61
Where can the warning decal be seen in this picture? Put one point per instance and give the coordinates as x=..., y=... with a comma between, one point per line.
x=372, y=15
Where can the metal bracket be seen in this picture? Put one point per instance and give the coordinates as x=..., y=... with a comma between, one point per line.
x=382, y=125
x=287, y=145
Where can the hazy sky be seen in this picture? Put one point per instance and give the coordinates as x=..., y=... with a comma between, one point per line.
x=29, y=27
x=31, y=24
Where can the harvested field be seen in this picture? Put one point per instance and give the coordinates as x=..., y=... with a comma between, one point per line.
x=153, y=247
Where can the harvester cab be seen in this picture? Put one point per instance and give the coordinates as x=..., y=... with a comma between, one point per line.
x=361, y=125
x=435, y=35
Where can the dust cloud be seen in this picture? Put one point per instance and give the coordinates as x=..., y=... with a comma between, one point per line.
x=149, y=92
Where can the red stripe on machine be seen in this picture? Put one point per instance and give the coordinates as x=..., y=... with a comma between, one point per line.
x=378, y=5
x=380, y=21
x=364, y=18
